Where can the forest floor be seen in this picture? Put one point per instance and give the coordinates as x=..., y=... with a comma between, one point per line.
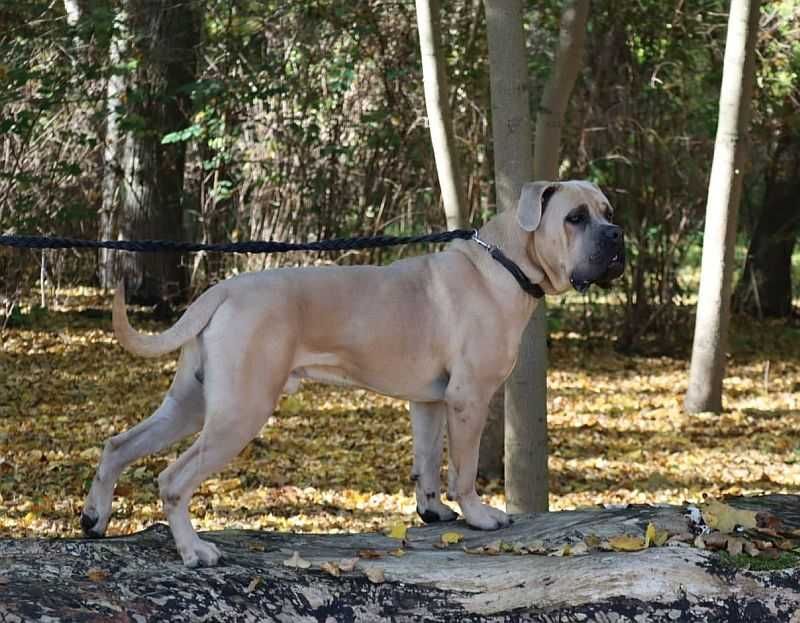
x=335, y=460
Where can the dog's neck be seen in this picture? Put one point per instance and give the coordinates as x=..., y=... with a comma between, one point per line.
x=504, y=232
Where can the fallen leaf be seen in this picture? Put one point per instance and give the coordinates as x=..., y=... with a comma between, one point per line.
x=375, y=575
x=649, y=534
x=369, y=554
x=296, y=561
x=769, y=521
x=715, y=540
x=398, y=531
x=725, y=518
x=627, y=543
x=564, y=550
x=735, y=546
x=96, y=574
x=592, y=541
x=331, y=568
x=348, y=564
x=253, y=584
x=579, y=549
x=750, y=549
x=452, y=537
x=398, y=552
x=661, y=537
x=535, y=547
x=699, y=543
x=493, y=547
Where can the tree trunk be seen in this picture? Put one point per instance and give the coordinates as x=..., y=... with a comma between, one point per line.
x=165, y=36
x=765, y=287
x=724, y=192
x=437, y=103
x=557, y=90
x=525, y=436
x=140, y=577
x=525, y=397
x=107, y=272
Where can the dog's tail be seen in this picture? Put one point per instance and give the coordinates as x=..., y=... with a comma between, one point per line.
x=188, y=326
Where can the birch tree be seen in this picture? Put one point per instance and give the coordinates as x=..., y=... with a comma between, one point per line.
x=724, y=192
x=437, y=104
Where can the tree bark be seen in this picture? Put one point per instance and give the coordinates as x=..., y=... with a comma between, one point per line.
x=513, y=166
x=437, y=103
x=525, y=436
x=765, y=287
x=107, y=272
x=140, y=577
x=165, y=36
x=724, y=192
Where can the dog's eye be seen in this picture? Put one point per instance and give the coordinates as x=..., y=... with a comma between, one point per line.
x=576, y=219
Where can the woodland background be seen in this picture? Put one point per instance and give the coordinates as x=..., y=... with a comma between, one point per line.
x=306, y=120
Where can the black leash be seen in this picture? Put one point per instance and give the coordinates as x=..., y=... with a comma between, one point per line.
x=271, y=246
x=258, y=246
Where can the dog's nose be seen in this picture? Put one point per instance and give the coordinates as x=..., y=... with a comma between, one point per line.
x=612, y=233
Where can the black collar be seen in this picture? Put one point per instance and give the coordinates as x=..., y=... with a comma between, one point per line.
x=534, y=289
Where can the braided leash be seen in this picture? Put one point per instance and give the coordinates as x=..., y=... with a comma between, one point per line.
x=271, y=246
x=258, y=246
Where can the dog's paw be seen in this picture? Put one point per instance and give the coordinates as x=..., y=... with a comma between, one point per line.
x=430, y=515
x=201, y=553
x=90, y=524
x=485, y=517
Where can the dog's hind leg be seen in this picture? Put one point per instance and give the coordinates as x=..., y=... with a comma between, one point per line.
x=224, y=435
x=179, y=415
x=239, y=399
x=427, y=425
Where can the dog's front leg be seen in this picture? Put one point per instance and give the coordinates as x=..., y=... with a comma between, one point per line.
x=427, y=425
x=467, y=410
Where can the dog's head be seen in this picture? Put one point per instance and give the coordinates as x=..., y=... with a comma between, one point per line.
x=573, y=238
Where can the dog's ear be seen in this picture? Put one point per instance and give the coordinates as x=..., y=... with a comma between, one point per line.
x=532, y=203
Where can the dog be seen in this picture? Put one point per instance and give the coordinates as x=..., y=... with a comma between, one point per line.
x=440, y=330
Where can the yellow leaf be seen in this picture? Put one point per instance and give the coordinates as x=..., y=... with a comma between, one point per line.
x=398, y=531
x=452, y=537
x=375, y=575
x=649, y=535
x=626, y=543
x=331, y=568
x=725, y=518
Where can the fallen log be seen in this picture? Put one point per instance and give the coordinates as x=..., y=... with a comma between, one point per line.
x=484, y=577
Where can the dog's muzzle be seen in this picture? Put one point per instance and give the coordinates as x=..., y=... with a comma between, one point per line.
x=606, y=264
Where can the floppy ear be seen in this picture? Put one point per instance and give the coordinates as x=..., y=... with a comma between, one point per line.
x=532, y=202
